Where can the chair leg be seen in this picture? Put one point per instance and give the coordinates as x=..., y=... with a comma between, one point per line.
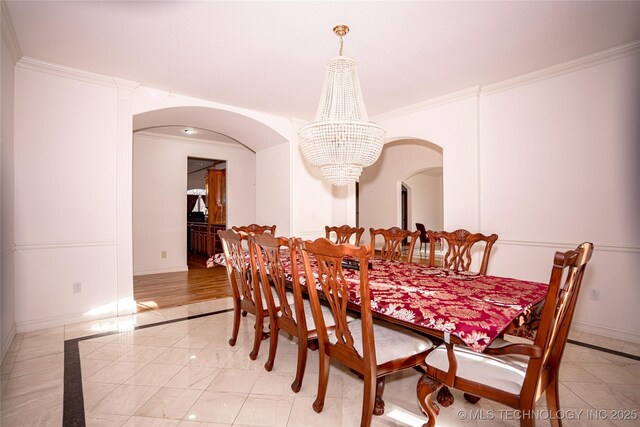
x=236, y=323
x=273, y=343
x=302, y=363
x=323, y=380
x=378, y=407
x=553, y=402
x=368, y=399
x=527, y=418
x=445, y=398
x=471, y=398
x=426, y=388
x=258, y=337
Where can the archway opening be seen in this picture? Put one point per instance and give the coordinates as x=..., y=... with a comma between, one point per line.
x=163, y=142
x=414, y=164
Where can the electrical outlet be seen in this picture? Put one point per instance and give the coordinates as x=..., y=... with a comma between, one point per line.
x=163, y=254
x=594, y=295
x=77, y=287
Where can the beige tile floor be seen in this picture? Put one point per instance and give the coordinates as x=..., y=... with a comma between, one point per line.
x=185, y=374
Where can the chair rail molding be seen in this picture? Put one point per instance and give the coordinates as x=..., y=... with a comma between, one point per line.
x=557, y=245
x=34, y=246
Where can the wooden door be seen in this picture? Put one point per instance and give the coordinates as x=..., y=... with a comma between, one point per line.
x=217, y=198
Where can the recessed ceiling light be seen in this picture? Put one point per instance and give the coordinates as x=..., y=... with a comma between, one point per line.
x=189, y=131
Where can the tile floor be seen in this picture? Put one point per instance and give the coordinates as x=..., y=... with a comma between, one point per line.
x=184, y=373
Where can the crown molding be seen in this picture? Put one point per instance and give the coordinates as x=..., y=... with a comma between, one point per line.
x=564, y=68
x=8, y=35
x=430, y=103
x=126, y=88
x=67, y=72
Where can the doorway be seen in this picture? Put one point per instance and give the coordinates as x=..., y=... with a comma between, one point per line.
x=404, y=206
x=206, y=209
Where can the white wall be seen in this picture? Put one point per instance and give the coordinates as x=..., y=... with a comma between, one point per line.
x=273, y=188
x=426, y=200
x=380, y=183
x=7, y=277
x=312, y=202
x=559, y=166
x=65, y=193
x=451, y=123
x=159, y=196
x=548, y=161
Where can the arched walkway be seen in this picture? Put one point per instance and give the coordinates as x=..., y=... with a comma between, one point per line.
x=380, y=184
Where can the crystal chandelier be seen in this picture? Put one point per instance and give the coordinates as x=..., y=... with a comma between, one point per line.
x=341, y=141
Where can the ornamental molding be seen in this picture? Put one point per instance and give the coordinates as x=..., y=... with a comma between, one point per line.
x=460, y=95
x=564, y=68
x=33, y=64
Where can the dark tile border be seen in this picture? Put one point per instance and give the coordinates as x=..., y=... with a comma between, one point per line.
x=604, y=349
x=73, y=400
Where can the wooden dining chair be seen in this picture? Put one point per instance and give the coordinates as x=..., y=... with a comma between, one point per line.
x=343, y=233
x=372, y=349
x=457, y=253
x=514, y=374
x=255, y=229
x=288, y=310
x=393, y=239
x=247, y=295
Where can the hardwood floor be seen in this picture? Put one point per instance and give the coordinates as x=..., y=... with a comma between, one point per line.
x=154, y=291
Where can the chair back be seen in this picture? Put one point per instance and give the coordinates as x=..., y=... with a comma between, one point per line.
x=255, y=229
x=242, y=274
x=423, y=232
x=458, y=249
x=272, y=271
x=559, y=305
x=392, y=245
x=344, y=233
x=331, y=281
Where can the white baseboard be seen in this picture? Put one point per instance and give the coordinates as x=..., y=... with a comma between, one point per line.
x=7, y=342
x=606, y=332
x=53, y=322
x=161, y=271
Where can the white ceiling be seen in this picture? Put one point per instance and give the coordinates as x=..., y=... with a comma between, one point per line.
x=191, y=133
x=270, y=56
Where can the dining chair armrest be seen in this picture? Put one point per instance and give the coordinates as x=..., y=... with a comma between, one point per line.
x=530, y=350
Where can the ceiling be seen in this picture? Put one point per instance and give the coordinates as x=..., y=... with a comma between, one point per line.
x=191, y=133
x=270, y=56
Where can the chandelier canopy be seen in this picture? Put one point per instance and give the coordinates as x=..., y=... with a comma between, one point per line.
x=341, y=141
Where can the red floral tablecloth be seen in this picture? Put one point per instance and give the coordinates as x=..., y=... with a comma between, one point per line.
x=472, y=307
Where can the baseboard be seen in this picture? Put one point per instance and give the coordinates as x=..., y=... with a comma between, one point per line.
x=54, y=322
x=606, y=332
x=7, y=342
x=161, y=271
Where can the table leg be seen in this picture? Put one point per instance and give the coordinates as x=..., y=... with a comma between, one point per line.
x=427, y=386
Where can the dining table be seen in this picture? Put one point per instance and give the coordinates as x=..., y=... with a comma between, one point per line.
x=456, y=306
